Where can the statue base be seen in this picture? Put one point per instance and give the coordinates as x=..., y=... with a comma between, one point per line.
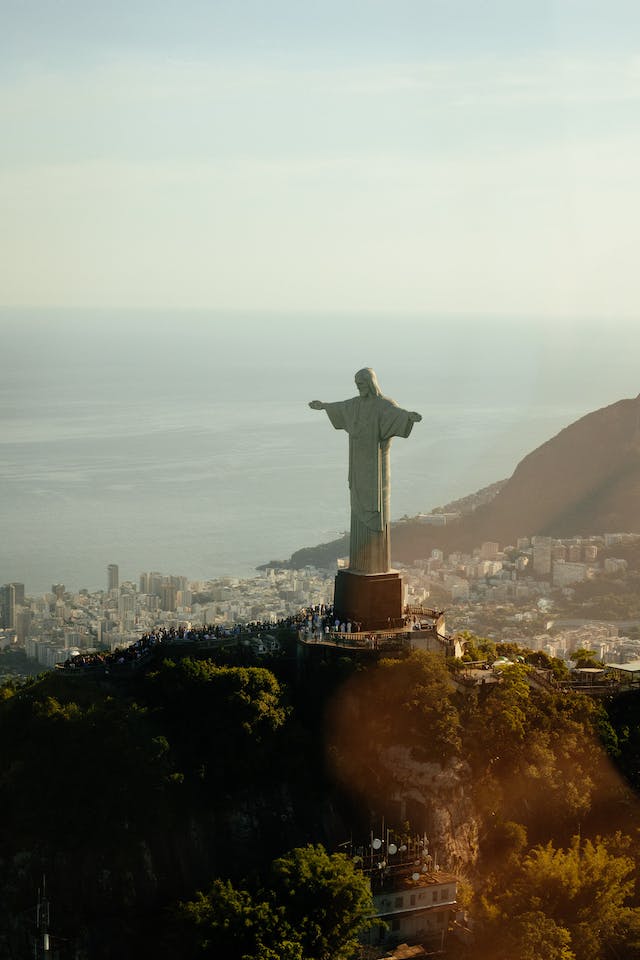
x=373, y=600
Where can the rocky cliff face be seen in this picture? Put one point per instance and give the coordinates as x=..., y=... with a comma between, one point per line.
x=450, y=818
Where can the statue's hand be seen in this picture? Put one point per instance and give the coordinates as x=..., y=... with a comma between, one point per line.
x=415, y=417
x=317, y=405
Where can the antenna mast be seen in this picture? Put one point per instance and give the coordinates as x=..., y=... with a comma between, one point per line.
x=42, y=921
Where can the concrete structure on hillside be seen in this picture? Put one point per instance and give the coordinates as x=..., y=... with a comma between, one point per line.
x=629, y=672
x=411, y=895
x=420, y=628
x=437, y=519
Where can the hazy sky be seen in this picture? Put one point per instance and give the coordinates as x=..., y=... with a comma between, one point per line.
x=414, y=155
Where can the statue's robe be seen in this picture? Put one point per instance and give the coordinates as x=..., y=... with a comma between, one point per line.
x=371, y=422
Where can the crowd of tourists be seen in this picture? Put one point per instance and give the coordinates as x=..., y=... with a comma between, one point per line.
x=141, y=649
x=136, y=652
x=312, y=624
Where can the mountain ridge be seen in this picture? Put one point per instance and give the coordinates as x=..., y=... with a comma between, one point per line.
x=585, y=480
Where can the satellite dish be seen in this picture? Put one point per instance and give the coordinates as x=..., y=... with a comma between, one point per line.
x=392, y=848
x=403, y=848
x=415, y=876
x=376, y=844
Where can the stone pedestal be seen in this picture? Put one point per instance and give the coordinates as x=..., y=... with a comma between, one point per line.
x=374, y=600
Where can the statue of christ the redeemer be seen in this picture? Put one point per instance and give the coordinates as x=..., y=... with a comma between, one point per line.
x=371, y=421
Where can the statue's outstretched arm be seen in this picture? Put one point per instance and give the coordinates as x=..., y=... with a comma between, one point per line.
x=416, y=417
x=317, y=405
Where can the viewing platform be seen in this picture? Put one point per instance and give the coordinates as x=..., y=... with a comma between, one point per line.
x=419, y=628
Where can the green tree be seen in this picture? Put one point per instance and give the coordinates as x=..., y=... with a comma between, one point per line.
x=506, y=708
x=108, y=755
x=536, y=754
x=326, y=899
x=476, y=648
x=246, y=698
x=583, y=890
x=398, y=704
x=314, y=909
x=508, y=840
x=231, y=923
x=538, y=658
x=410, y=701
x=534, y=936
x=223, y=718
x=586, y=658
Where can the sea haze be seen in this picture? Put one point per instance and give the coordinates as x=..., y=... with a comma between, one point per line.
x=184, y=443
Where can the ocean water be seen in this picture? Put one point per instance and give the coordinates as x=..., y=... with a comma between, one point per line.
x=184, y=444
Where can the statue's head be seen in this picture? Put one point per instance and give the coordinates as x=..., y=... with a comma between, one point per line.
x=367, y=383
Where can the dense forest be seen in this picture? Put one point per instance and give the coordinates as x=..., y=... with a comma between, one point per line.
x=194, y=808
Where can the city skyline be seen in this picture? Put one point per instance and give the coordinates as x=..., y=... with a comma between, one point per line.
x=515, y=589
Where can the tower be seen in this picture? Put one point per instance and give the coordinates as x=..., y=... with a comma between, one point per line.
x=11, y=596
x=113, y=577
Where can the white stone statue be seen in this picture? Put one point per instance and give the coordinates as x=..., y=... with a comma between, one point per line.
x=371, y=420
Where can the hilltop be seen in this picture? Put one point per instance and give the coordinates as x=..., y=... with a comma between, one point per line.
x=583, y=481
x=196, y=771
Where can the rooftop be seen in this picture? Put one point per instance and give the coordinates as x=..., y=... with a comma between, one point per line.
x=407, y=877
x=632, y=667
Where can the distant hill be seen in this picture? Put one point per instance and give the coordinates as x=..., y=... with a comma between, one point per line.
x=585, y=480
x=322, y=555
